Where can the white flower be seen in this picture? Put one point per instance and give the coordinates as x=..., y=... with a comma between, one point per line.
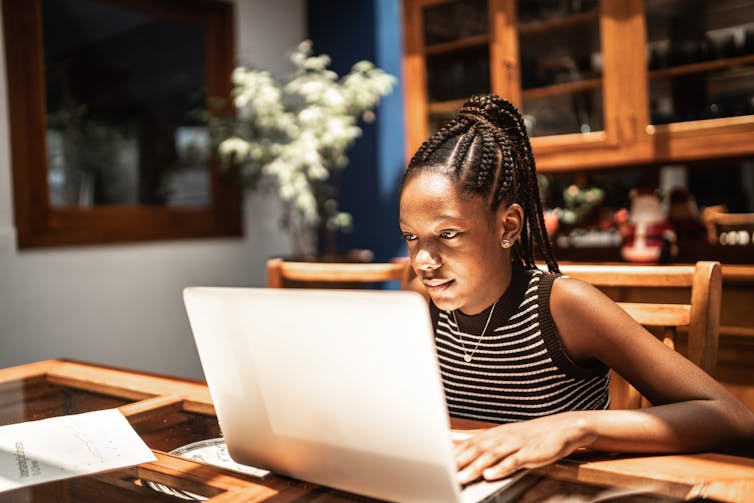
x=307, y=205
x=311, y=115
x=333, y=98
x=297, y=132
x=286, y=191
x=312, y=89
x=234, y=148
x=318, y=172
x=340, y=220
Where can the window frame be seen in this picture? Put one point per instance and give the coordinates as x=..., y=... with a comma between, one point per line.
x=40, y=225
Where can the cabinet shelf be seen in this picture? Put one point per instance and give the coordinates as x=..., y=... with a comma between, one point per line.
x=599, y=57
x=561, y=23
x=705, y=66
x=456, y=45
x=560, y=89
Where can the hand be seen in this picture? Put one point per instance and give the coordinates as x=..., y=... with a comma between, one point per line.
x=505, y=449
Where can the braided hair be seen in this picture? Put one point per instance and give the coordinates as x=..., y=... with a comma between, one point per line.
x=485, y=148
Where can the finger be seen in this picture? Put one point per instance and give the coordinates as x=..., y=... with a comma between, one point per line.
x=464, y=445
x=503, y=468
x=459, y=437
x=465, y=453
x=474, y=469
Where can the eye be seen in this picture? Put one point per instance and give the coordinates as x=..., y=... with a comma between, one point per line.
x=448, y=234
x=407, y=236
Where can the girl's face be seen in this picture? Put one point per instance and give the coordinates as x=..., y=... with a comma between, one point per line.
x=454, y=243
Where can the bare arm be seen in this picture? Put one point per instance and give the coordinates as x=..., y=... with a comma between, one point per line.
x=692, y=411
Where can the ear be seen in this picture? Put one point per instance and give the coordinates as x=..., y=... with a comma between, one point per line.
x=510, y=222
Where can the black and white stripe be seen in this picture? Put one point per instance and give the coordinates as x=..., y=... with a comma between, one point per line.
x=519, y=370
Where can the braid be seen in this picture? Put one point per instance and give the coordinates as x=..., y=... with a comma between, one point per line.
x=463, y=148
x=486, y=148
x=490, y=162
x=449, y=130
x=506, y=178
x=535, y=219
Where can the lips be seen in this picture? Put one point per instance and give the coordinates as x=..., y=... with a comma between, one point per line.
x=436, y=285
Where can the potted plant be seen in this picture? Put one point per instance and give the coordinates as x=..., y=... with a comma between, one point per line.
x=293, y=136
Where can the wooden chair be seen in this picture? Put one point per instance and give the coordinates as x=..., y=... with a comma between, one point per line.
x=664, y=299
x=281, y=273
x=667, y=298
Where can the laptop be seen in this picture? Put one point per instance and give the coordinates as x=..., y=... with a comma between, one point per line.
x=340, y=388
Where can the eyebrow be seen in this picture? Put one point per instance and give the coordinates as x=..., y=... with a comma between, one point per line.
x=440, y=218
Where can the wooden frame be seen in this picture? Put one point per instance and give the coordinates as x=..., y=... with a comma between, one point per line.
x=155, y=398
x=39, y=224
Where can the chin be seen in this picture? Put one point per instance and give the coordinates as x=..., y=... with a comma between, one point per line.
x=444, y=303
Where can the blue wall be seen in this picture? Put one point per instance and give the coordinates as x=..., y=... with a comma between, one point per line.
x=349, y=31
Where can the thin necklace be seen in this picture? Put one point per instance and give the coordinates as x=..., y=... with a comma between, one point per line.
x=468, y=356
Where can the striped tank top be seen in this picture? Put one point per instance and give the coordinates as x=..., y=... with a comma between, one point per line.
x=519, y=369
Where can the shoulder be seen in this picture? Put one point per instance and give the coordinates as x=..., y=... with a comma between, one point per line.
x=578, y=297
x=563, y=291
x=570, y=291
x=587, y=320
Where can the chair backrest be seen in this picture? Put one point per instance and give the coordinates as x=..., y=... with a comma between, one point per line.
x=281, y=273
x=663, y=298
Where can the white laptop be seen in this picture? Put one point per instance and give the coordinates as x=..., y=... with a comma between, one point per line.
x=336, y=387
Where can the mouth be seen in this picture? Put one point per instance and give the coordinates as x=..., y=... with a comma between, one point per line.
x=437, y=285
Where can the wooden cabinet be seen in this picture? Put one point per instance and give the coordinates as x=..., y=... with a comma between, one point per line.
x=600, y=84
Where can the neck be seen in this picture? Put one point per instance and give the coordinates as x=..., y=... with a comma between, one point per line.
x=498, y=286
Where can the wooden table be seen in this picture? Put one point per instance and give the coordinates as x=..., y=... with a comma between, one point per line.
x=169, y=412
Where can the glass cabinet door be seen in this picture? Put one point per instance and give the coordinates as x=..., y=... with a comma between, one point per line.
x=456, y=46
x=700, y=59
x=560, y=66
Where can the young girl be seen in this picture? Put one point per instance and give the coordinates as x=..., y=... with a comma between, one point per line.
x=528, y=349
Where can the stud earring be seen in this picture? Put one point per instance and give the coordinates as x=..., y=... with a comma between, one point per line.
x=506, y=243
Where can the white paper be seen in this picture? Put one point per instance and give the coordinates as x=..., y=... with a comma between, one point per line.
x=63, y=447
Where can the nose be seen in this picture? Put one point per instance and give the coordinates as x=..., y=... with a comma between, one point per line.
x=425, y=260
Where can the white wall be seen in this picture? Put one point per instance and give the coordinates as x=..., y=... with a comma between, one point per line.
x=121, y=305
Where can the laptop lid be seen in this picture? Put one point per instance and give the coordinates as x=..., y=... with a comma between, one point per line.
x=336, y=387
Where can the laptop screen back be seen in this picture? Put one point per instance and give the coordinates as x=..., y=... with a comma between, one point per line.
x=337, y=387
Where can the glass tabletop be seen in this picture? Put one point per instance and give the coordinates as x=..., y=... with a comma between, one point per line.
x=37, y=398
x=176, y=420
